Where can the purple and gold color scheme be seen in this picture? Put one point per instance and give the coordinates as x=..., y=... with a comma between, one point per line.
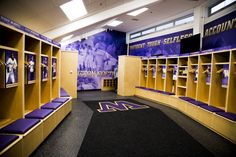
x=108, y=106
x=27, y=30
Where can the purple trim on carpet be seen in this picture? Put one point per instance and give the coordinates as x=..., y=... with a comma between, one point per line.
x=227, y=115
x=20, y=126
x=6, y=140
x=39, y=114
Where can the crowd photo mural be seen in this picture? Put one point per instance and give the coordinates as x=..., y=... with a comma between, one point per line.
x=97, y=57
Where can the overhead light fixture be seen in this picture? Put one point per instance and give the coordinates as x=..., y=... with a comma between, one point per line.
x=74, y=9
x=67, y=37
x=114, y=23
x=137, y=12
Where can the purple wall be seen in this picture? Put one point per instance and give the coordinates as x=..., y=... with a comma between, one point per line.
x=98, y=56
x=162, y=45
x=220, y=32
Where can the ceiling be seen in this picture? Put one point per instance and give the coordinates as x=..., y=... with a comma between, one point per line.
x=46, y=17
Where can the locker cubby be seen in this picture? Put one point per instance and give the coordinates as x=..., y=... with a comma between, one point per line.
x=205, y=59
x=183, y=61
x=192, y=77
x=182, y=71
x=204, y=77
x=182, y=76
x=10, y=38
x=161, y=74
x=181, y=91
x=144, y=73
x=151, y=73
x=182, y=82
x=32, y=44
x=230, y=102
x=221, y=57
x=32, y=81
x=171, y=75
x=11, y=102
x=183, y=67
x=55, y=72
x=46, y=90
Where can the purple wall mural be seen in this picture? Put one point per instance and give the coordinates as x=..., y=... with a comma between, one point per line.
x=163, y=45
x=98, y=56
x=220, y=33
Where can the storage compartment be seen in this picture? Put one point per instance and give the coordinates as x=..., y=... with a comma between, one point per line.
x=151, y=73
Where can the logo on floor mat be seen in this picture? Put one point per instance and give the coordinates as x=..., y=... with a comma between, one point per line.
x=108, y=106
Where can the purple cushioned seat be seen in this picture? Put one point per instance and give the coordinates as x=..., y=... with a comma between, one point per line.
x=140, y=87
x=211, y=108
x=168, y=93
x=197, y=103
x=39, y=114
x=227, y=115
x=61, y=100
x=51, y=105
x=186, y=98
x=20, y=126
x=63, y=93
x=6, y=140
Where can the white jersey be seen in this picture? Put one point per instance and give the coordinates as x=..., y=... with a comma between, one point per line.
x=31, y=66
x=54, y=67
x=11, y=64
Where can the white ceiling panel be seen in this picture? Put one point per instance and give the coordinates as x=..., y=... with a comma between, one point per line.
x=45, y=16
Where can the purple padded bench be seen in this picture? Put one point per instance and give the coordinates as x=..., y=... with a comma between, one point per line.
x=60, y=100
x=227, y=115
x=157, y=91
x=211, y=108
x=20, y=126
x=63, y=93
x=6, y=140
x=39, y=114
x=51, y=105
x=186, y=98
x=192, y=101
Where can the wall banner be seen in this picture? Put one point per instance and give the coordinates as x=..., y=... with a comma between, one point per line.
x=163, y=45
x=220, y=32
x=97, y=57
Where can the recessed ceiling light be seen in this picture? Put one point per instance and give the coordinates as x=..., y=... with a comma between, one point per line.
x=115, y=23
x=137, y=12
x=74, y=9
x=67, y=37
